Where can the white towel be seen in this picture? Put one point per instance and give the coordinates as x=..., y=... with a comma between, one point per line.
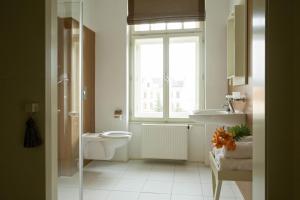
x=247, y=139
x=235, y=164
x=243, y=150
x=218, y=153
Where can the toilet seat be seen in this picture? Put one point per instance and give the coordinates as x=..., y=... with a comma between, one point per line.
x=116, y=134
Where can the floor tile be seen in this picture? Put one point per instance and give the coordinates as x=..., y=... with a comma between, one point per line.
x=227, y=192
x=205, y=177
x=150, y=196
x=106, y=166
x=118, y=195
x=68, y=194
x=207, y=189
x=163, y=187
x=145, y=180
x=103, y=174
x=161, y=176
x=133, y=185
x=187, y=188
x=186, y=197
x=163, y=168
x=186, y=167
x=100, y=183
x=141, y=175
x=69, y=182
x=187, y=176
x=95, y=194
x=221, y=198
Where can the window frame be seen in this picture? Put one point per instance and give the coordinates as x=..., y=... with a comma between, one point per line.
x=166, y=35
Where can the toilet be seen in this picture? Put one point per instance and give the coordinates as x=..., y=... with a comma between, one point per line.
x=102, y=146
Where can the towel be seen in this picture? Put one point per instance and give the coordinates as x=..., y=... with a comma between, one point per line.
x=246, y=139
x=32, y=138
x=225, y=163
x=235, y=164
x=243, y=150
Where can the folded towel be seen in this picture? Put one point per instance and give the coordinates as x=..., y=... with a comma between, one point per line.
x=231, y=163
x=235, y=164
x=246, y=139
x=218, y=153
x=243, y=150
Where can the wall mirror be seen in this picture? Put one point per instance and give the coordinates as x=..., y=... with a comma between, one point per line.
x=237, y=44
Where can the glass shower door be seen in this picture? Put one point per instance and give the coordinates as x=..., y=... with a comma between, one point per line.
x=69, y=100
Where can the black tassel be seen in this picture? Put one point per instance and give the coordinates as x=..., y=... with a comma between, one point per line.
x=32, y=138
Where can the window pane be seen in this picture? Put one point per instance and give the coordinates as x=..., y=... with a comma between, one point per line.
x=142, y=27
x=174, y=26
x=191, y=25
x=183, y=74
x=158, y=27
x=148, y=78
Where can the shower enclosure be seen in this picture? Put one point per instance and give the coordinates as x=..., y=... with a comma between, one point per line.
x=75, y=91
x=68, y=89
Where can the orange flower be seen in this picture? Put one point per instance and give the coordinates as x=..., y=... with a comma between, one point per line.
x=217, y=141
x=222, y=138
x=230, y=145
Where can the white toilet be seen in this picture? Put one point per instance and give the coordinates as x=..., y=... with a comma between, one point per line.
x=102, y=146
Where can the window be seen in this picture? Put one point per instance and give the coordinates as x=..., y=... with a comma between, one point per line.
x=166, y=70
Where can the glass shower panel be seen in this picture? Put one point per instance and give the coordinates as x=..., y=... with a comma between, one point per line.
x=68, y=36
x=89, y=21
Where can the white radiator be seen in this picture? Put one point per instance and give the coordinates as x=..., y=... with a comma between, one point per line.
x=165, y=141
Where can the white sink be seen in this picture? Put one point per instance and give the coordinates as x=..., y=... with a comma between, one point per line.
x=222, y=117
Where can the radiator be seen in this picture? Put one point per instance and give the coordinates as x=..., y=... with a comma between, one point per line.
x=165, y=141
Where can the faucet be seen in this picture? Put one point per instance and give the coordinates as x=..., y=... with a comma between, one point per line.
x=229, y=105
x=229, y=102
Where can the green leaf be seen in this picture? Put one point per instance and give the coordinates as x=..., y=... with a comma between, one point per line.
x=239, y=131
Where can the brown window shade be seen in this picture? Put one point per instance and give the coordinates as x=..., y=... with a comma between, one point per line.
x=152, y=11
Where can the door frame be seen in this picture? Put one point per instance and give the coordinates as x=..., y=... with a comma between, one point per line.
x=258, y=60
x=51, y=146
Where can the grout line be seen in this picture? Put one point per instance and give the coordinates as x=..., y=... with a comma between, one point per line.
x=146, y=180
x=173, y=182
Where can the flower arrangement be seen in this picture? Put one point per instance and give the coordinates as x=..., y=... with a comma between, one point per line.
x=227, y=139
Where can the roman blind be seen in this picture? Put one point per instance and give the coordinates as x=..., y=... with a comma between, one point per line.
x=155, y=11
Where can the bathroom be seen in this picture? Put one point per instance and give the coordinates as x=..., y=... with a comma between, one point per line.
x=41, y=119
x=141, y=166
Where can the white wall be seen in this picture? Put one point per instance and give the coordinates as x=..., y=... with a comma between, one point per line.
x=108, y=19
x=216, y=60
x=216, y=81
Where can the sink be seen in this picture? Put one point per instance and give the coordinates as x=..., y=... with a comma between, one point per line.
x=222, y=117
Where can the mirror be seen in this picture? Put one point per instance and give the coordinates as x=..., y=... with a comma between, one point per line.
x=237, y=65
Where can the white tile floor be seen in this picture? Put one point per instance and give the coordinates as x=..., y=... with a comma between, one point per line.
x=145, y=180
